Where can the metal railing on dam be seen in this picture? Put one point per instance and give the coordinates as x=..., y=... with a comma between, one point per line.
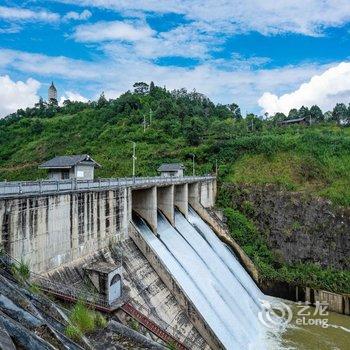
x=22, y=188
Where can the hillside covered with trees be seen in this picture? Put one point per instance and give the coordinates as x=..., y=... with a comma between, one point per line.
x=171, y=127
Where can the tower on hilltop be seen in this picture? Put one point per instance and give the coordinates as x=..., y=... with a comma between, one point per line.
x=52, y=94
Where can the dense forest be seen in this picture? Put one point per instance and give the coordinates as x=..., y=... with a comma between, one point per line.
x=172, y=126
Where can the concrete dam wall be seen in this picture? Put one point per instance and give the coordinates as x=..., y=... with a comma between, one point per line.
x=48, y=230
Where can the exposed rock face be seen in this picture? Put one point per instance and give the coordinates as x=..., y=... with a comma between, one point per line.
x=31, y=321
x=298, y=227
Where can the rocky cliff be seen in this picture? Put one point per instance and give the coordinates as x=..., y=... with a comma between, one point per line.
x=298, y=227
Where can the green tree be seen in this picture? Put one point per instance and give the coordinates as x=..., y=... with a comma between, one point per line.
x=279, y=117
x=235, y=110
x=37, y=127
x=141, y=88
x=339, y=113
x=304, y=113
x=253, y=122
x=102, y=101
x=194, y=130
x=316, y=114
x=293, y=114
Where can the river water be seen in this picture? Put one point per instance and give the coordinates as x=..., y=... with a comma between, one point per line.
x=228, y=299
x=335, y=336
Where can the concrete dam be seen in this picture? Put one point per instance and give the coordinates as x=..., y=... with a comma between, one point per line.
x=174, y=267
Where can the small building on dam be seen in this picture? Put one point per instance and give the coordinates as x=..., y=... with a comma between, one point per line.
x=80, y=167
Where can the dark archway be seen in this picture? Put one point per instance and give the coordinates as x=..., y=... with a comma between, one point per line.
x=116, y=278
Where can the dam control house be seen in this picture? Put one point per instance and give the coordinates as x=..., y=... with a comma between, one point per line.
x=80, y=167
x=172, y=169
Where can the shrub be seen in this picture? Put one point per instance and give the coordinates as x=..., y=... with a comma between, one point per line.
x=34, y=289
x=248, y=208
x=171, y=346
x=100, y=321
x=73, y=332
x=21, y=271
x=82, y=318
x=134, y=325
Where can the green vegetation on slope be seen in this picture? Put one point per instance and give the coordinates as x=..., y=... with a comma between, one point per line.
x=83, y=320
x=271, y=268
x=179, y=123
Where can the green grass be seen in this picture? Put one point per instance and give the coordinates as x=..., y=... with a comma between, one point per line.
x=296, y=172
x=83, y=320
x=21, y=271
x=73, y=332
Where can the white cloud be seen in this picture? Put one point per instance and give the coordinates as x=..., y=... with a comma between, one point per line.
x=308, y=17
x=222, y=85
x=15, y=95
x=73, y=97
x=11, y=29
x=21, y=14
x=76, y=16
x=107, y=31
x=324, y=90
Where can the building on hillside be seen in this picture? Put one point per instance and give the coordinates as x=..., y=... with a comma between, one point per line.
x=173, y=169
x=301, y=121
x=80, y=167
x=52, y=94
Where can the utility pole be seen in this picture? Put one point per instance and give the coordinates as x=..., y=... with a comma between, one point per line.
x=133, y=159
x=144, y=123
x=193, y=170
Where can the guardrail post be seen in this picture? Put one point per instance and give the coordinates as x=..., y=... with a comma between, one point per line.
x=57, y=185
x=40, y=187
x=72, y=184
x=20, y=188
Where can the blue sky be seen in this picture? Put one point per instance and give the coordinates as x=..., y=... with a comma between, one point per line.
x=264, y=55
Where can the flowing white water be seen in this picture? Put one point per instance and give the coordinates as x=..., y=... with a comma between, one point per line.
x=212, y=278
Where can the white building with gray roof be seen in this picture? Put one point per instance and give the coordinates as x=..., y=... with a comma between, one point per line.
x=80, y=167
x=171, y=169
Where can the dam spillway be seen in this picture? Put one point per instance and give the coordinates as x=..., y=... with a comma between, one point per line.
x=214, y=281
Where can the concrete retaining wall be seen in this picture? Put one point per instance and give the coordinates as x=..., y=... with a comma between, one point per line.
x=339, y=303
x=165, y=202
x=144, y=202
x=181, y=198
x=49, y=230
